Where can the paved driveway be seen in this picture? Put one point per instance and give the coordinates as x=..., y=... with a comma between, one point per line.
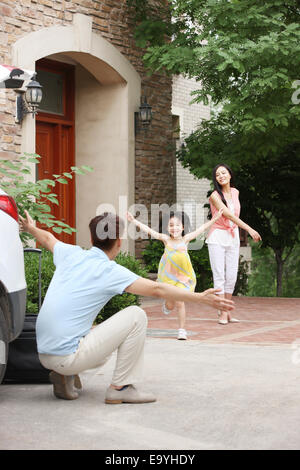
x=228, y=387
x=264, y=321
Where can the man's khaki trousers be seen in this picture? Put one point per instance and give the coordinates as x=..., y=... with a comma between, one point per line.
x=125, y=332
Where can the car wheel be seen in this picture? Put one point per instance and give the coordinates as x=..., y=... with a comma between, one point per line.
x=3, y=344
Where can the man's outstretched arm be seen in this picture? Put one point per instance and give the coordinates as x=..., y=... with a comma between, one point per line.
x=44, y=238
x=165, y=291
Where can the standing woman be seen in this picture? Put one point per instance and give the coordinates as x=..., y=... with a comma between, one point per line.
x=223, y=239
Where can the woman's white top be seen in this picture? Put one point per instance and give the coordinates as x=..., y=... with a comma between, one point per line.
x=223, y=237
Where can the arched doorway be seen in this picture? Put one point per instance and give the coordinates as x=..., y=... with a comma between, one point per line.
x=107, y=93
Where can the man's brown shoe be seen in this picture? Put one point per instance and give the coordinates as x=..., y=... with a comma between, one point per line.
x=77, y=382
x=128, y=395
x=63, y=386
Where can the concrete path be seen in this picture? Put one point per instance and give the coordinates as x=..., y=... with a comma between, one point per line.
x=227, y=387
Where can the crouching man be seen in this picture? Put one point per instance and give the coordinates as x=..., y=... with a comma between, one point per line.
x=83, y=282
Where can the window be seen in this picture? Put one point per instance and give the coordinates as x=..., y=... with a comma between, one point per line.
x=52, y=84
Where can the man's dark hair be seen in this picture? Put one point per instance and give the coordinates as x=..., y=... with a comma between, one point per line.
x=105, y=230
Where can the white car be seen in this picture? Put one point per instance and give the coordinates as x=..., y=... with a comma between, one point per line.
x=12, y=278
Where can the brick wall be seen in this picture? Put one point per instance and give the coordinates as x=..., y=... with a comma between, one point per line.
x=188, y=188
x=155, y=181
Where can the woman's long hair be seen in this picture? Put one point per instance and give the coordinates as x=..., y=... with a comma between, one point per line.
x=217, y=186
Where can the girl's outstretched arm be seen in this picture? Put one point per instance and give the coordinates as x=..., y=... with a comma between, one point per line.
x=191, y=236
x=159, y=236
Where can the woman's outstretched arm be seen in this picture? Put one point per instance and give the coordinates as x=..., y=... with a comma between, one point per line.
x=216, y=201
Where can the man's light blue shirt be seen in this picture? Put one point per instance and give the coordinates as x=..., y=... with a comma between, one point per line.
x=83, y=282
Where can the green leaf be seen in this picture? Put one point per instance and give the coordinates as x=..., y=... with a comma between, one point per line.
x=87, y=168
x=57, y=229
x=52, y=199
x=11, y=165
x=46, y=181
x=68, y=230
x=77, y=170
x=7, y=173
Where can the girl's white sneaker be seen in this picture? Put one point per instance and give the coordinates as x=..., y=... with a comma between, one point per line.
x=181, y=334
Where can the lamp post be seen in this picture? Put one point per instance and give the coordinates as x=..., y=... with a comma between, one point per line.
x=144, y=116
x=33, y=97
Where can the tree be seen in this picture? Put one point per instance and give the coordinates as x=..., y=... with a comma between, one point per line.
x=270, y=195
x=269, y=189
x=244, y=53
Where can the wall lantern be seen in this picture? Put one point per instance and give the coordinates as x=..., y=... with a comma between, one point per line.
x=143, y=117
x=29, y=105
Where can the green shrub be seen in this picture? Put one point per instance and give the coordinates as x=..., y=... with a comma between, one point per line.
x=31, y=273
x=291, y=274
x=201, y=265
x=152, y=254
x=241, y=286
x=262, y=280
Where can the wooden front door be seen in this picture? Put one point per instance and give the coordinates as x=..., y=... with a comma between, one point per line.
x=55, y=137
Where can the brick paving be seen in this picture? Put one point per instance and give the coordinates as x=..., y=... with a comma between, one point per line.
x=263, y=320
